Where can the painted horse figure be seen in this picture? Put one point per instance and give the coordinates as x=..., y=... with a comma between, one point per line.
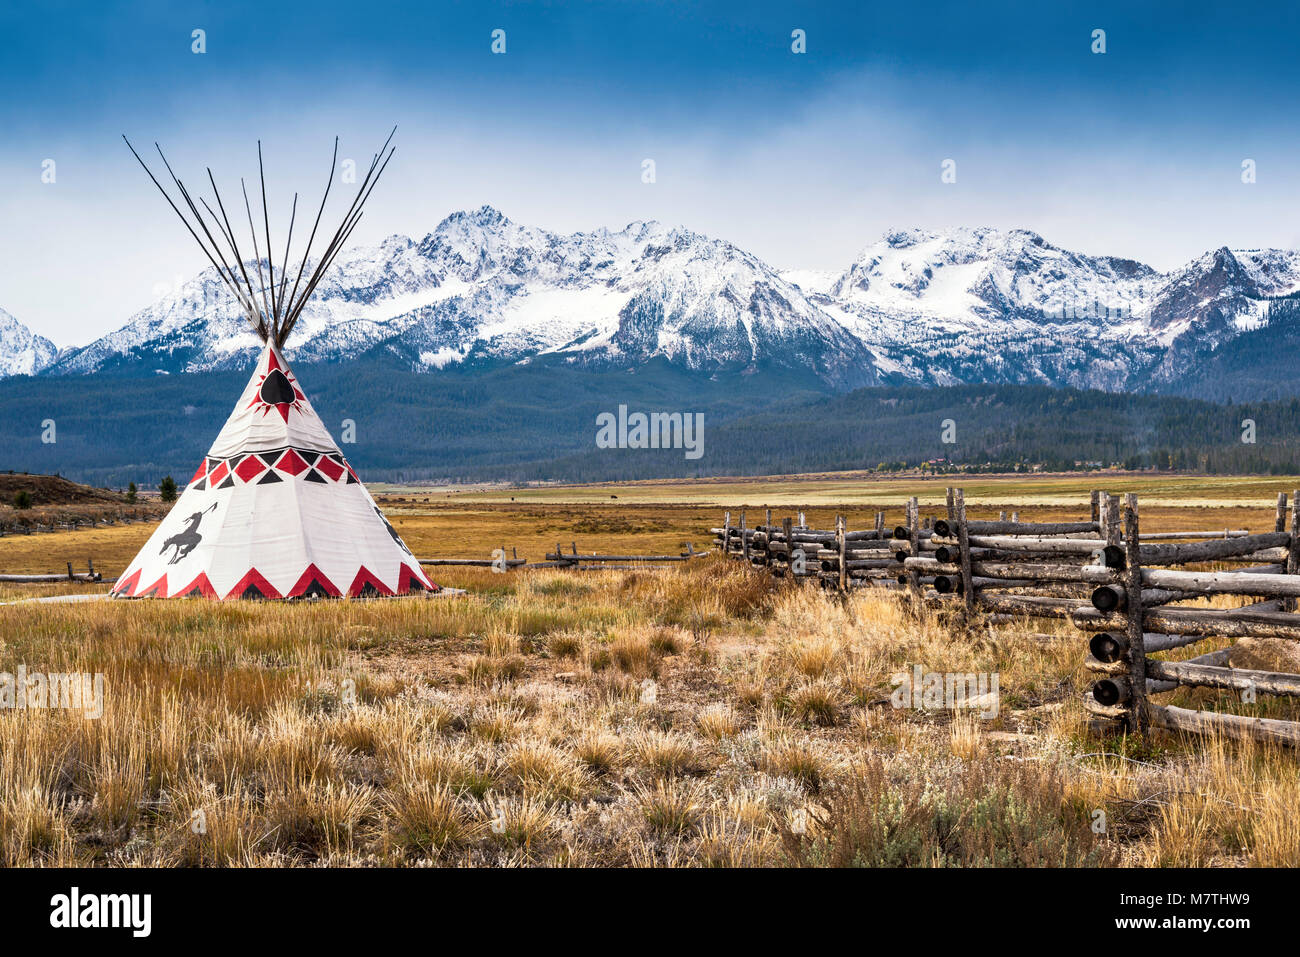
x=185, y=540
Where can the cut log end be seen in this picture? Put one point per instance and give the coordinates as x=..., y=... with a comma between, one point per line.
x=1108, y=647
x=1110, y=691
x=1108, y=598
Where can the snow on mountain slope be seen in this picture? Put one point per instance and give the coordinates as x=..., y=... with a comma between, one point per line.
x=481, y=287
x=980, y=304
x=22, y=352
x=961, y=305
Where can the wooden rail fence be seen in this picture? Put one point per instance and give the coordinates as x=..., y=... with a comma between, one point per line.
x=1125, y=589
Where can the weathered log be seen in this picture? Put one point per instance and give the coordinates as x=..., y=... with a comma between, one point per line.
x=1230, y=725
x=1055, y=546
x=45, y=579
x=1110, y=646
x=842, y=561
x=1135, y=603
x=1166, y=596
x=1040, y=572
x=1031, y=528
x=1034, y=606
x=1206, y=675
x=833, y=564
x=1225, y=623
x=1112, y=691
x=1175, y=536
x=1208, y=551
x=1106, y=598
x=1223, y=583
x=1097, y=666
x=1111, y=712
x=1276, y=556
x=980, y=582
x=560, y=556
x=963, y=542
x=474, y=562
x=1161, y=685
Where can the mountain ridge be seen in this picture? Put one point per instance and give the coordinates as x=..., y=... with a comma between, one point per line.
x=961, y=305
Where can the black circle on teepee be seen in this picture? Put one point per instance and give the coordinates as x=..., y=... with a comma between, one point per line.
x=277, y=389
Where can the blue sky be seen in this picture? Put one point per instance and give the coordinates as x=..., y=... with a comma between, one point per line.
x=803, y=159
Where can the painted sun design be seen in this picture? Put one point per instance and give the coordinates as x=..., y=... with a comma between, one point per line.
x=278, y=391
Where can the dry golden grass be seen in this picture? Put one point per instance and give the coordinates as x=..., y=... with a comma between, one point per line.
x=693, y=716
x=659, y=517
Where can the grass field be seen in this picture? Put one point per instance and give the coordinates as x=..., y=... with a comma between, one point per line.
x=700, y=715
x=661, y=516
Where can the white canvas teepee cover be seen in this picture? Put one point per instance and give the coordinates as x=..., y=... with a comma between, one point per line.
x=274, y=511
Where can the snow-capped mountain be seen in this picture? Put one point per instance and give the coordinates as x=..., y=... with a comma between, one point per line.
x=482, y=288
x=22, y=352
x=986, y=305
x=961, y=305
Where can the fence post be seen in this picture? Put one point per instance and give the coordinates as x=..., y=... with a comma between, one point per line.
x=726, y=534
x=843, y=543
x=1112, y=513
x=1293, y=548
x=744, y=542
x=914, y=546
x=1137, y=697
x=963, y=544
x=1280, y=524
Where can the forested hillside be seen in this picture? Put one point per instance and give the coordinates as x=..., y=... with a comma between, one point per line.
x=538, y=422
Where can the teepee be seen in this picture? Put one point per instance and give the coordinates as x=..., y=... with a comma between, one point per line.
x=274, y=509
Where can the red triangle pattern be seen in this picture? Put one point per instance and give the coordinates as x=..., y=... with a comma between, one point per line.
x=254, y=578
x=364, y=578
x=200, y=585
x=409, y=576
x=409, y=579
x=128, y=585
x=313, y=574
x=157, y=590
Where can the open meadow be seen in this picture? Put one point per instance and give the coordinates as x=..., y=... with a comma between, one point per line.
x=703, y=714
